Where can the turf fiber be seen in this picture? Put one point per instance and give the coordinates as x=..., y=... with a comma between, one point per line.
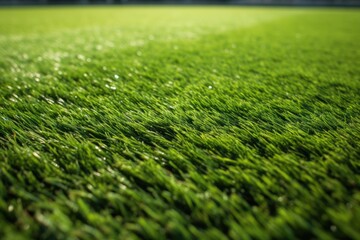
x=179, y=123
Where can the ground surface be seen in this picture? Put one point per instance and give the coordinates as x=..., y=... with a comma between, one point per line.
x=179, y=123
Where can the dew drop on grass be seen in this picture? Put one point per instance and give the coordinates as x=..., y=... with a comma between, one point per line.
x=98, y=148
x=81, y=57
x=36, y=154
x=10, y=208
x=54, y=164
x=49, y=100
x=111, y=87
x=61, y=101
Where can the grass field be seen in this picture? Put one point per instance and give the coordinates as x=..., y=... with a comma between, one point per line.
x=179, y=123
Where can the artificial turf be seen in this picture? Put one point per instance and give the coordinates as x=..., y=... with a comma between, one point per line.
x=179, y=123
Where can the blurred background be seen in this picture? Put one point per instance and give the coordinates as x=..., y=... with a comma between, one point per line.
x=235, y=2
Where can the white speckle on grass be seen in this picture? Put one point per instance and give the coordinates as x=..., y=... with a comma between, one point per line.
x=281, y=199
x=205, y=195
x=160, y=152
x=210, y=87
x=169, y=84
x=36, y=154
x=10, y=208
x=116, y=76
x=111, y=87
x=49, y=100
x=81, y=57
x=54, y=163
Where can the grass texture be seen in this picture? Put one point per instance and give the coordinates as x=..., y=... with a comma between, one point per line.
x=179, y=123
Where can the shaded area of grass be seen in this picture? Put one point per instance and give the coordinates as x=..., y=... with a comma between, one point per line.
x=172, y=123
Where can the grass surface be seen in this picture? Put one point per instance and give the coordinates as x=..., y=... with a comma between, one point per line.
x=179, y=123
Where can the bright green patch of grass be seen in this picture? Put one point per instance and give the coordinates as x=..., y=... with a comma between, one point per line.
x=179, y=123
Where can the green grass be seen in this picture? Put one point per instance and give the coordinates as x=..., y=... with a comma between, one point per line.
x=179, y=123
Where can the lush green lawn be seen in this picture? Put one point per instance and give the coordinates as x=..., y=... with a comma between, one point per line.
x=179, y=123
